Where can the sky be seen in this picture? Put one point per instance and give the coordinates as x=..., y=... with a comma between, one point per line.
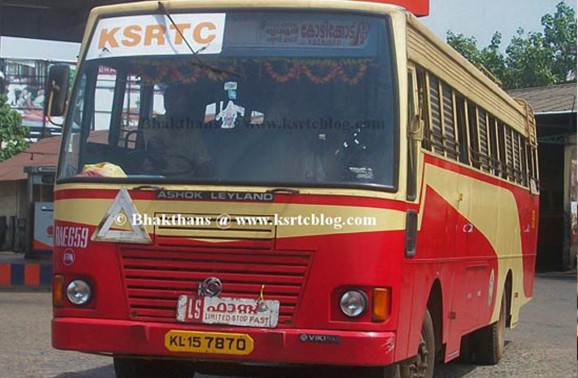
x=482, y=18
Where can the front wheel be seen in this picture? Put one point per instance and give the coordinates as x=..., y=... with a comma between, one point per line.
x=422, y=365
x=144, y=368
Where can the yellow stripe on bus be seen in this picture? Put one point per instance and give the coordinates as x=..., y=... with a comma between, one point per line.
x=91, y=212
x=494, y=212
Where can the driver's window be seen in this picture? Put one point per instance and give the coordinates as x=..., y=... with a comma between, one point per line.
x=103, y=98
x=114, y=128
x=158, y=105
x=102, y=103
x=130, y=114
x=97, y=146
x=71, y=164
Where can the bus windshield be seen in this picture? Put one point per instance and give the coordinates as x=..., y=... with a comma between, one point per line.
x=270, y=98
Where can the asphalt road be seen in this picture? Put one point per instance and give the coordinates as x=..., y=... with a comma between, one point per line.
x=543, y=345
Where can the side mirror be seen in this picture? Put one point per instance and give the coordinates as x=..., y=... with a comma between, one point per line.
x=57, y=89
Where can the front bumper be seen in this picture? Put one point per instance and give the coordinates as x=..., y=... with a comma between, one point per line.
x=275, y=346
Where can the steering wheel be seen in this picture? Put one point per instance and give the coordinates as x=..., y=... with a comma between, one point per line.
x=126, y=140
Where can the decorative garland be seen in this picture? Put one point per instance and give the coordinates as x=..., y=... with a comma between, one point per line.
x=317, y=71
x=220, y=76
x=282, y=78
x=333, y=71
x=153, y=71
x=355, y=79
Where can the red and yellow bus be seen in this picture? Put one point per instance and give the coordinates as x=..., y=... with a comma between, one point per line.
x=288, y=183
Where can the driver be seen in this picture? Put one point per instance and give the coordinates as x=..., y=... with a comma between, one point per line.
x=174, y=143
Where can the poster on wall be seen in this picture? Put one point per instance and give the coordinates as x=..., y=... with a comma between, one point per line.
x=43, y=227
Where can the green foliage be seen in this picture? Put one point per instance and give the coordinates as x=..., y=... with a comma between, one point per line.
x=531, y=60
x=560, y=37
x=12, y=133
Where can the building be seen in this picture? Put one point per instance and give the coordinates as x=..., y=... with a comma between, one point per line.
x=25, y=180
x=555, y=111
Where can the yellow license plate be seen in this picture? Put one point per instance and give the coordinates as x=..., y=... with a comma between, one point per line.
x=208, y=342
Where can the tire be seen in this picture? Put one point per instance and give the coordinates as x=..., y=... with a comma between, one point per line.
x=143, y=368
x=422, y=365
x=466, y=353
x=489, y=342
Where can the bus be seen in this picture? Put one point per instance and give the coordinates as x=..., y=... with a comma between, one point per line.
x=287, y=183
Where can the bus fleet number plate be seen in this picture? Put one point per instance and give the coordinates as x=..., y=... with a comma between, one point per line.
x=208, y=342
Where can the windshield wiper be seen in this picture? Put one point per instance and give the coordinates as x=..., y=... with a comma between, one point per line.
x=199, y=62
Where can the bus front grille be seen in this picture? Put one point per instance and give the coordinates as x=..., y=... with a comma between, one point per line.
x=154, y=279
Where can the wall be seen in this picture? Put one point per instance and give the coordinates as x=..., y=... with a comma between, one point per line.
x=13, y=200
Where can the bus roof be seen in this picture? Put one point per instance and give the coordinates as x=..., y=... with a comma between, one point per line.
x=373, y=6
x=430, y=51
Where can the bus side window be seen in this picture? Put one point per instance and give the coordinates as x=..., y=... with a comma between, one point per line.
x=494, y=158
x=449, y=129
x=533, y=160
x=517, y=157
x=436, y=134
x=473, y=128
x=502, y=149
x=411, y=139
x=509, y=153
x=424, y=104
x=462, y=129
x=483, y=141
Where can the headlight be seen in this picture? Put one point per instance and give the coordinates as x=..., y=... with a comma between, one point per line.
x=353, y=303
x=78, y=292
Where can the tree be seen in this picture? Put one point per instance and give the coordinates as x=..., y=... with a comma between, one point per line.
x=12, y=133
x=560, y=36
x=531, y=60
